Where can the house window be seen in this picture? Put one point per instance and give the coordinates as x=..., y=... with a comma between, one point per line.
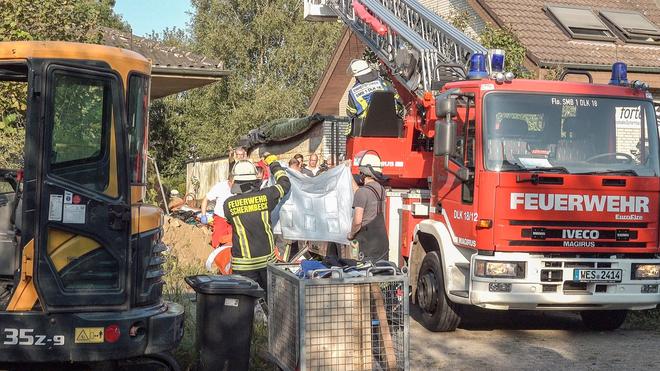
x=633, y=26
x=580, y=23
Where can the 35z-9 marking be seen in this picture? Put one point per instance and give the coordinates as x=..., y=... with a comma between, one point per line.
x=24, y=336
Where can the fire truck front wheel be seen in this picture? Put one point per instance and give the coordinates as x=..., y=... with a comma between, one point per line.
x=603, y=320
x=438, y=313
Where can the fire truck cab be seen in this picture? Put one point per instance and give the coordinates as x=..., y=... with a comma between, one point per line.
x=540, y=195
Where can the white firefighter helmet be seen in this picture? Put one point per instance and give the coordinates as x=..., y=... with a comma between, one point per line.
x=244, y=171
x=370, y=164
x=359, y=67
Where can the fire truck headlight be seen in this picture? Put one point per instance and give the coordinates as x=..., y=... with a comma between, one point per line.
x=496, y=269
x=646, y=271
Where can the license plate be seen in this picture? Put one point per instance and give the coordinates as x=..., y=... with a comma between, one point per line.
x=597, y=275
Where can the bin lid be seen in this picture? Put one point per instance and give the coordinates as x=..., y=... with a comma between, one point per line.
x=230, y=284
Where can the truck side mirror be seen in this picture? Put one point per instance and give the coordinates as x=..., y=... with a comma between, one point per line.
x=445, y=106
x=444, y=142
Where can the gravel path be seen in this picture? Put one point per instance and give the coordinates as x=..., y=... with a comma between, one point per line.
x=493, y=340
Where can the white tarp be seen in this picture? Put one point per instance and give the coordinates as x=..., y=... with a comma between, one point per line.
x=318, y=208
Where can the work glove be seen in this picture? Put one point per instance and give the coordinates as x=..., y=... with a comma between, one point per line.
x=204, y=219
x=269, y=158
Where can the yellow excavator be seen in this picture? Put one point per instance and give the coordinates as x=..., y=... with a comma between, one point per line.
x=81, y=276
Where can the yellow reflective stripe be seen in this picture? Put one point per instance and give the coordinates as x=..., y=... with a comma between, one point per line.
x=279, y=174
x=269, y=232
x=279, y=188
x=252, y=260
x=363, y=104
x=351, y=109
x=251, y=267
x=251, y=264
x=242, y=237
x=237, y=229
x=287, y=251
x=258, y=258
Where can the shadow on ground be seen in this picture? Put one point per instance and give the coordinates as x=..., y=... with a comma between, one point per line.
x=479, y=319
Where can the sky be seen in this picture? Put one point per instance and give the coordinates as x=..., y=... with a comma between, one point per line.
x=147, y=15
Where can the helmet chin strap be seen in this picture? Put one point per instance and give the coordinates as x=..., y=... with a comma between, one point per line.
x=373, y=75
x=368, y=170
x=245, y=186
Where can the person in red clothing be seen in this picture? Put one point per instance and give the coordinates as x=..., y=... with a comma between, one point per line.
x=220, y=192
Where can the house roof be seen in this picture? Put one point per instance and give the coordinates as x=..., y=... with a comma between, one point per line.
x=548, y=44
x=172, y=70
x=332, y=86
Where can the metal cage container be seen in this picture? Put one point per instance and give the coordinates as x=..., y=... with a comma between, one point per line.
x=338, y=323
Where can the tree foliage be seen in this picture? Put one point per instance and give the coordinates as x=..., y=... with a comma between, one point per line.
x=64, y=20
x=275, y=58
x=503, y=38
x=171, y=36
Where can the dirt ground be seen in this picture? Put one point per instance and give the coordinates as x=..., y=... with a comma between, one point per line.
x=493, y=340
x=189, y=243
x=489, y=340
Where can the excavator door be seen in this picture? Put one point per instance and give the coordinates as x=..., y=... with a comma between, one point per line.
x=83, y=231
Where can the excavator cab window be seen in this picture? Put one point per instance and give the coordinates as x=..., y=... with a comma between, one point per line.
x=13, y=84
x=138, y=118
x=8, y=203
x=81, y=121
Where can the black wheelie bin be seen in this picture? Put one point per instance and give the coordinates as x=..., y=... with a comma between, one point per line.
x=225, y=312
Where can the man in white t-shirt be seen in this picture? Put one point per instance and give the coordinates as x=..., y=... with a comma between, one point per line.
x=219, y=193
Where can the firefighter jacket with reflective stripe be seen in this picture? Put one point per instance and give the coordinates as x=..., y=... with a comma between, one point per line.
x=359, y=97
x=249, y=214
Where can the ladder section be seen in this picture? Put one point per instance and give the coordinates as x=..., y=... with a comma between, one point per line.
x=411, y=58
x=410, y=39
x=453, y=45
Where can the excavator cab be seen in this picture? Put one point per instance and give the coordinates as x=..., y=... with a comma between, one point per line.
x=81, y=254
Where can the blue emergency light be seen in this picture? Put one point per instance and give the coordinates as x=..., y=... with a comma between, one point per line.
x=477, y=68
x=619, y=74
x=496, y=61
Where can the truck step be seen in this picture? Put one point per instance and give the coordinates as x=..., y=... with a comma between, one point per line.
x=460, y=293
x=465, y=266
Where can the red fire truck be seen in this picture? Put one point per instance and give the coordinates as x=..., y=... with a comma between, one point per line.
x=507, y=193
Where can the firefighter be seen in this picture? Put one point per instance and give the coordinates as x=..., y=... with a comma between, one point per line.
x=368, y=227
x=367, y=81
x=248, y=211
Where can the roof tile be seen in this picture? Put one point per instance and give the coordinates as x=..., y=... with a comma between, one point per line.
x=160, y=55
x=547, y=42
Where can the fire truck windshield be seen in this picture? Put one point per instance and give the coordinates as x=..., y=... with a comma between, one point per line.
x=570, y=134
